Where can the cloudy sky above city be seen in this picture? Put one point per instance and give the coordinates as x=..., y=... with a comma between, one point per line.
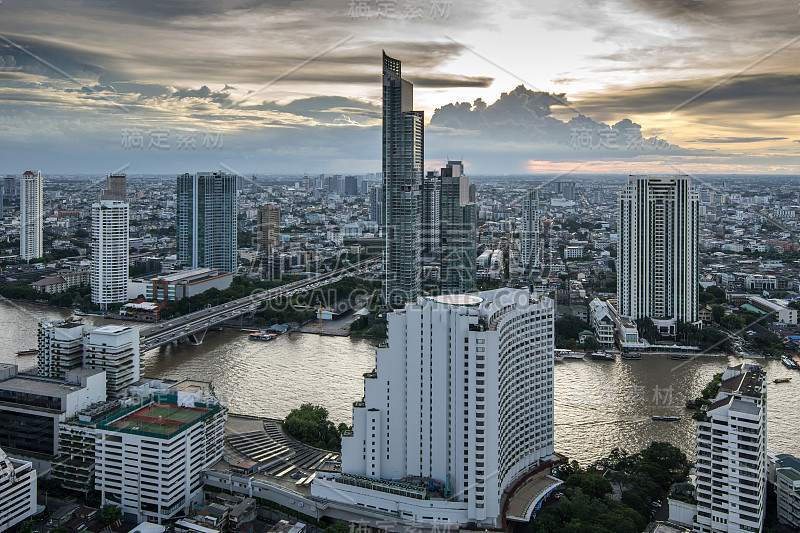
x=285, y=87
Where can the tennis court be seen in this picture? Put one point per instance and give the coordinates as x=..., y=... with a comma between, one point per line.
x=173, y=413
x=161, y=419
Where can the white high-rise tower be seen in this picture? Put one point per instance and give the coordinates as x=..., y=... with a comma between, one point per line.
x=657, y=260
x=731, y=455
x=458, y=410
x=109, y=252
x=31, y=217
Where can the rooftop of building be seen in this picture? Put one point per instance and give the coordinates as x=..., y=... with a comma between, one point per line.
x=458, y=299
x=747, y=383
x=192, y=386
x=789, y=461
x=112, y=329
x=155, y=418
x=46, y=386
x=789, y=472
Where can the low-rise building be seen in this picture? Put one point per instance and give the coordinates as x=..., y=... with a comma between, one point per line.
x=777, y=308
x=17, y=491
x=787, y=487
x=180, y=284
x=31, y=408
x=601, y=319
x=64, y=279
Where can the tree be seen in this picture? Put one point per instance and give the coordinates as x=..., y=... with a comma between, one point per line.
x=717, y=312
x=110, y=513
x=647, y=330
x=590, y=343
x=310, y=425
x=81, y=233
x=26, y=527
x=338, y=527
x=570, y=326
x=732, y=322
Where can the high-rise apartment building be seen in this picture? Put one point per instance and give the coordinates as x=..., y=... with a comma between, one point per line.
x=731, y=461
x=11, y=188
x=431, y=217
x=458, y=231
x=376, y=212
x=110, y=252
x=268, y=226
x=457, y=411
x=657, y=260
x=351, y=185
x=117, y=188
x=17, y=491
x=206, y=225
x=402, y=187
x=31, y=216
x=531, y=255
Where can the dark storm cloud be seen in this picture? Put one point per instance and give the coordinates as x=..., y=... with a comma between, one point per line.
x=325, y=108
x=772, y=94
x=724, y=140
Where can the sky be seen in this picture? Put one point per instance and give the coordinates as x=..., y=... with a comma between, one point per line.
x=292, y=87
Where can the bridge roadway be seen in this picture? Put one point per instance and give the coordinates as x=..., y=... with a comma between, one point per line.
x=195, y=325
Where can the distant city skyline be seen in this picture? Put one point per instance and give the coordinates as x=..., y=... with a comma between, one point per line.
x=290, y=89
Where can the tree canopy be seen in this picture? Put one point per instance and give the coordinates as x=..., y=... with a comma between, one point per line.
x=310, y=425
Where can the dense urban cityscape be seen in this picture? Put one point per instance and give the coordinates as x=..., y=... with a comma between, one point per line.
x=425, y=346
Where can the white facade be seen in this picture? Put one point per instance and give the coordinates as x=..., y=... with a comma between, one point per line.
x=110, y=232
x=530, y=232
x=114, y=349
x=153, y=476
x=64, y=346
x=17, y=491
x=60, y=348
x=31, y=215
x=731, y=455
x=602, y=321
x=657, y=261
x=462, y=398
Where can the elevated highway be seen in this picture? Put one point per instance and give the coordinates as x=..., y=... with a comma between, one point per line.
x=194, y=325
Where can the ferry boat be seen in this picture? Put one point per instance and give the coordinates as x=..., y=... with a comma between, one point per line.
x=782, y=380
x=666, y=418
x=788, y=363
x=691, y=404
x=573, y=355
x=558, y=357
x=603, y=356
x=678, y=356
x=631, y=355
x=262, y=336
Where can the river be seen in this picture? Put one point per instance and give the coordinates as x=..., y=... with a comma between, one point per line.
x=598, y=405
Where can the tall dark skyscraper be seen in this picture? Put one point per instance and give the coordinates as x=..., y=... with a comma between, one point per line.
x=459, y=231
x=402, y=187
x=117, y=188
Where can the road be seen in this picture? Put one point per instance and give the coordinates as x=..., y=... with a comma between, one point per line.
x=197, y=323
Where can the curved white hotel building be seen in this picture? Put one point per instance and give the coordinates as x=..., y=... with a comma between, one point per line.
x=458, y=410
